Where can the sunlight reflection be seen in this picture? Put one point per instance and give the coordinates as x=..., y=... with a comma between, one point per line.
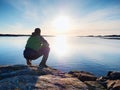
x=60, y=46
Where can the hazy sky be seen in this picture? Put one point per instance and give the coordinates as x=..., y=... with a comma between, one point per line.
x=68, y=17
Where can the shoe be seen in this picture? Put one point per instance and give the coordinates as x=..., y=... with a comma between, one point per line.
x=41, y=65
x=29, y=62
x=45, y=65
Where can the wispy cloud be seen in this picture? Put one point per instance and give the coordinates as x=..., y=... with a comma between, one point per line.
x=35, y=12
x=18, y=28
x=42, y=12
x=27, y=9
x=102, y=19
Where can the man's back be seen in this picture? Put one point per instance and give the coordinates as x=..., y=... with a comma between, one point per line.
x=34, y=43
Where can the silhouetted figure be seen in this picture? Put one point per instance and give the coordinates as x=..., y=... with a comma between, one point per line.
x=36, y=46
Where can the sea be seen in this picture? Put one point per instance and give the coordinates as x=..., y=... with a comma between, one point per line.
x=91, y=54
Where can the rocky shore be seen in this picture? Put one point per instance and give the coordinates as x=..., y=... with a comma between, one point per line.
x=22, y=77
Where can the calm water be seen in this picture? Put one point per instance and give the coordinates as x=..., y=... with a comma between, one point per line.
x=68, y=53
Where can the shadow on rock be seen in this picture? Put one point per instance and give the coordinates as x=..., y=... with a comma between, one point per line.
x=22, y=77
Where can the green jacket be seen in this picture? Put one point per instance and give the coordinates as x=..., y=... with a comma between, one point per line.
x=36, y=42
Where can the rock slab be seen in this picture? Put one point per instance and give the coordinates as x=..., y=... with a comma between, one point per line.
x=22, y=77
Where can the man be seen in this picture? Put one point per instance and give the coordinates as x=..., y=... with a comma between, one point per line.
x=36, y=46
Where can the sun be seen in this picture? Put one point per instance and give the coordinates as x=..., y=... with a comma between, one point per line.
x=61, y=24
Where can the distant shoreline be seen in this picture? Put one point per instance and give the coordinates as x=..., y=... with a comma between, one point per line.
x=116, y=37
x=12, y=35
x=18, y=35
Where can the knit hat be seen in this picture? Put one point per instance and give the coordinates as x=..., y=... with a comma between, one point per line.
x=37, y=30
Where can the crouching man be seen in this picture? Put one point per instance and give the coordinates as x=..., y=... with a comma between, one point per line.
x=36, y=47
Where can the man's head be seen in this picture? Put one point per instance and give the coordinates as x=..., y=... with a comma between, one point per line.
x=37, y=31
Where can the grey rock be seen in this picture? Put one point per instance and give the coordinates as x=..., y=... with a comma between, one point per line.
x=113, y=84
x=94, y=85
x=45, y=82
x=22, y=77
x=83, y=76
x=111, y=81
x=25, y=70
x=113, y=75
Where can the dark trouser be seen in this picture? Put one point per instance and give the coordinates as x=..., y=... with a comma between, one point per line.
x=31, y=54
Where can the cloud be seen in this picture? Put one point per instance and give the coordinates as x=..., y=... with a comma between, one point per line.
x=42, y=12
x=101, y=19
x=26, y=8
x=18, y=28
x=100, y=14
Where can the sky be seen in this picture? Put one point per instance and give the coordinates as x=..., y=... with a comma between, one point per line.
x=60, y=17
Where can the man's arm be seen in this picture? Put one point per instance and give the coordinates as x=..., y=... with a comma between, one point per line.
x=44, y=42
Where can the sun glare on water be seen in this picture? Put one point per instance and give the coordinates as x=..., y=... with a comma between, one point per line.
x=60, y=46
x=61, y=25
